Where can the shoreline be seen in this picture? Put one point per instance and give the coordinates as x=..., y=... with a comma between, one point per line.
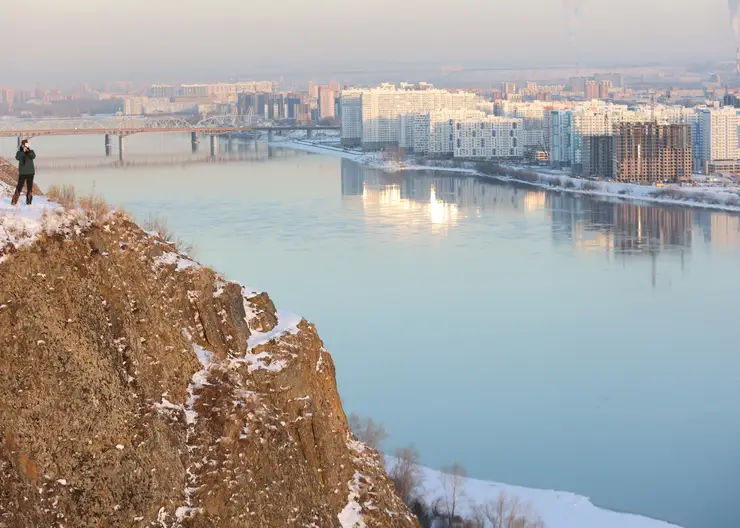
x=557, y=509
x=547, y=180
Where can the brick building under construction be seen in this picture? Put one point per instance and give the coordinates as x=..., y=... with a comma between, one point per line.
x=651, y=153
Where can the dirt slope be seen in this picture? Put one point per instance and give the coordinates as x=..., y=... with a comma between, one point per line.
x=9, y=175
x=140, y=389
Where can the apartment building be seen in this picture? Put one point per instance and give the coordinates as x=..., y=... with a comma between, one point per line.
x=717, y=139
x=327, y=101
x=224, y=91
x=382, y=108
x=350, y=117
x=533, y=116
x=591, y=90
x=646, y=153
x=162, y=91
x=599, y=157
x=559, y=124
x=435, y=131
x=488, y=137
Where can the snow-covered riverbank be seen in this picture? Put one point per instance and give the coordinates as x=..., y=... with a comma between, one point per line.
x=705, y=197
x=556, y=509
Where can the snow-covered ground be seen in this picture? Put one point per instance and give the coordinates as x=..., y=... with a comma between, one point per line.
x=21, y=225
x=556, y=509
x=706, y=196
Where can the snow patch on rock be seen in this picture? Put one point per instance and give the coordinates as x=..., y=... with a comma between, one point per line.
x=351, y=516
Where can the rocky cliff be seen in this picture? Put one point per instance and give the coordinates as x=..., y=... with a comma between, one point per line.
x=139, y=388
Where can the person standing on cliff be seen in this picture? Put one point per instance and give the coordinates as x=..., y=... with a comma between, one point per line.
x=26, y=172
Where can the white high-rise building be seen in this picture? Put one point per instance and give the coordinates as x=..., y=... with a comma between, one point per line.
x=717, y=138
x=383, y=107
x=533, y=115
x=436, y=136
x=489, y=137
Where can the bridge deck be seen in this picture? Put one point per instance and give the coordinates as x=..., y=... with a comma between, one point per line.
x=130, y=131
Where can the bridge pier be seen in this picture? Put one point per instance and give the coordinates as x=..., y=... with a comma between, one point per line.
x=120, y=147
x=194, y=141
x=270, y=136
x=214, y=145
x=107, y=144
x=309, y=133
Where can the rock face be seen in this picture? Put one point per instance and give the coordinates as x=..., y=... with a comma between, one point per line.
x=141, y=389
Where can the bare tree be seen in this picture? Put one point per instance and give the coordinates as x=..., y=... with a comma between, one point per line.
x=509, y=513
x=368, y=431
x=406, y=474
x=453, y=483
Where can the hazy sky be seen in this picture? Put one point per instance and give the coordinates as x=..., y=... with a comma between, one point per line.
x=178, y=39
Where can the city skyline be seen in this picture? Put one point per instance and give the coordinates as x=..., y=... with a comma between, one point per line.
x=74, y=40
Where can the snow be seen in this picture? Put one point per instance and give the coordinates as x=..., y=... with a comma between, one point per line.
x=287, y=324
x=170, y=258
x=701, y=196
x=557, y=509
x=255, y=362
x=21, y=225
x=203, y=355
x=351, y=515
x=317, y=148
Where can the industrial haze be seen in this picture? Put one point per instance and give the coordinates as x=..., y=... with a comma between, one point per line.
x=177, y=39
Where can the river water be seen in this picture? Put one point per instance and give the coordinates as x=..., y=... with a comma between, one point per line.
x=538, y=338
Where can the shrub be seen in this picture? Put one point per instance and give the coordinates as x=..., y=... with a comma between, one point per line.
x=158, y=225
x=625, y=191
x=95, y=207
x=675, y=194
x=732, y=200
x=66, y=195
x=568, y=183
x=591, y=186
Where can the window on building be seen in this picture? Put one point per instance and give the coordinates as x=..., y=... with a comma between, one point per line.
x=494, y=133
x=511, y=133
x=514, y=142
x=459, y=143
x=511, y=152
x=482, y=142
x=513, y=125
x=458, y=126
x=474, y=152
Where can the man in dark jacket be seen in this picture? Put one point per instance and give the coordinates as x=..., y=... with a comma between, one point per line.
x=26, y=172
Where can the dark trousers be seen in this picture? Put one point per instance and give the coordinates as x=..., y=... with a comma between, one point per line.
x=28, y=181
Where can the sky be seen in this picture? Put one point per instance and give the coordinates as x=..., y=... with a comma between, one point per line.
x=178, y=40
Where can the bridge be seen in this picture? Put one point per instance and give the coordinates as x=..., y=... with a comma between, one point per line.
x=126, y=126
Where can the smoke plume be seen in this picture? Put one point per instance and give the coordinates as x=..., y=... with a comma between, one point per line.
x=735, y=16
x=572, y=10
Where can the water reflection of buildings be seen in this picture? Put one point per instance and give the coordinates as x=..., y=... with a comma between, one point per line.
x=591, y=225
x=718, y=228
x=446, y=200
x=622, y=227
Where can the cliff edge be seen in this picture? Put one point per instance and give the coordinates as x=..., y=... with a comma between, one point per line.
x=9, y=176
x=140, y=388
